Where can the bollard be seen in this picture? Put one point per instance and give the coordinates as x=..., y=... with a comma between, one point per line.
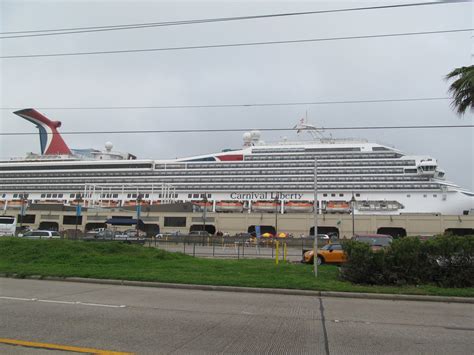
x=194, y=249
x=284, y=252
x=213, y=248
x=238, y=251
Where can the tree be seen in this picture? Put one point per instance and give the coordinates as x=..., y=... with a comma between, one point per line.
x=462, y=88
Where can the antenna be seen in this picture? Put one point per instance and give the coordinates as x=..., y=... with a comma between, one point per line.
x=303, y=126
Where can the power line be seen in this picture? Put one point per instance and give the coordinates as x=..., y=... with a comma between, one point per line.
x=220, y=130
x=269, y=104
x=75, y=30
x=236, y=44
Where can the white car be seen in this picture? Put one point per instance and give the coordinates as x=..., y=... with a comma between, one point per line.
x=41, y=234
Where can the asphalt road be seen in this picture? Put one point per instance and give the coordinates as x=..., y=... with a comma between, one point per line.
x=174, y=321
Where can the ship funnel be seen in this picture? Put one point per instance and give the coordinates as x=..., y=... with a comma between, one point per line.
x=50, y=139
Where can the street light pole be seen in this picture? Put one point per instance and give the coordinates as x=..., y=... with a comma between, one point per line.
x=22, y=212
x=204, y=200
x=139, y=210
x=353, y=200
x=78, y=214
x=315, y=242
x=277, y=201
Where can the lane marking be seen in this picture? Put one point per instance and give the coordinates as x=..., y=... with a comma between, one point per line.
x=16, y=298
x=53, y=301
x=64, y=302
x=102, y=305
x=33, y=344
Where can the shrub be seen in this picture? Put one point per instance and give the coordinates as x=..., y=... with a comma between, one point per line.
x=447, y=261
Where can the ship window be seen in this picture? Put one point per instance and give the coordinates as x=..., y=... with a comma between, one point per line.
x=15, y=195
x=325, y=195
x=333, y=195
x=408, y=195
x=195, y=195
x=435, y=195
x=71, y=196
x=340, y=195
x=48, y=195
x=357, y=195
x=425, y=195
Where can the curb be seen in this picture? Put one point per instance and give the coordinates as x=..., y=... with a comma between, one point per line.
x=275, y=291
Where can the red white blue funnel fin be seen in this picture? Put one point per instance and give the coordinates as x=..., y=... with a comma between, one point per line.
x=51, y=141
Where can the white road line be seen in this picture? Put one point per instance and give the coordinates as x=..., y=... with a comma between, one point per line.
x=102, y=305
x=64, y=302
x=54, y=301
x=16, y=298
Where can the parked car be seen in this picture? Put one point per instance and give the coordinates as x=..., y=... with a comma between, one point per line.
x=199, y=233
x=330, y=253
x=108, y=235
x=376, y=241
x=41, y=234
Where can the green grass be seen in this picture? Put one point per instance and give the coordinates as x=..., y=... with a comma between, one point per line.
x=65, y=258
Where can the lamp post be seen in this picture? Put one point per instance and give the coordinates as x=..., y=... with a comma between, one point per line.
x=139, y=211
x=22, y=212
x=353, y=200
x=78, y=214
x=277, y=202
x=204, y=210
x=315, y=242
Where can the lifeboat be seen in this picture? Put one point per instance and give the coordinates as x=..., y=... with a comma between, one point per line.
x=14, y=203
x=134, y=203
x=108, y=203
x=202, y=205
x=298, y=206
x=338, y=207
x=265, y=206
x=378, y=205
x=229, y=206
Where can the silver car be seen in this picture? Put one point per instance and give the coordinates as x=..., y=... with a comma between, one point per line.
x=41, y=234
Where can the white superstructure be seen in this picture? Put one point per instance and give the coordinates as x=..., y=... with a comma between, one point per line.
x=259, y=177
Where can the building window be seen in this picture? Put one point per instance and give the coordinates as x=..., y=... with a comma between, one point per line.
x=175, y=221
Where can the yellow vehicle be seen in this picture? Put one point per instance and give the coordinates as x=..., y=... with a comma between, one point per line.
x=330, y=254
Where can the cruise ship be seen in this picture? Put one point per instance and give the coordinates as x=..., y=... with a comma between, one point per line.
x=352, y=176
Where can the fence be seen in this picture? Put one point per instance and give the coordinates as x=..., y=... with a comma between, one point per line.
x=235, y=248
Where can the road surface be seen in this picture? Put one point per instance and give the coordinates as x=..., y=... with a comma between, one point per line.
x=77, y=317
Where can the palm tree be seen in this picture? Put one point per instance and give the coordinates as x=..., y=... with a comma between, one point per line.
x=462, y=88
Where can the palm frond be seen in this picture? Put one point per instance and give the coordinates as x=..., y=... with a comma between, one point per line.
x=462, y=89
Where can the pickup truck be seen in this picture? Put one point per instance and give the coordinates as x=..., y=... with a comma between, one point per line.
x=108, y=235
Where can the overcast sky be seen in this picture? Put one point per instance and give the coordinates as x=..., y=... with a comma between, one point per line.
x=362, y=69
